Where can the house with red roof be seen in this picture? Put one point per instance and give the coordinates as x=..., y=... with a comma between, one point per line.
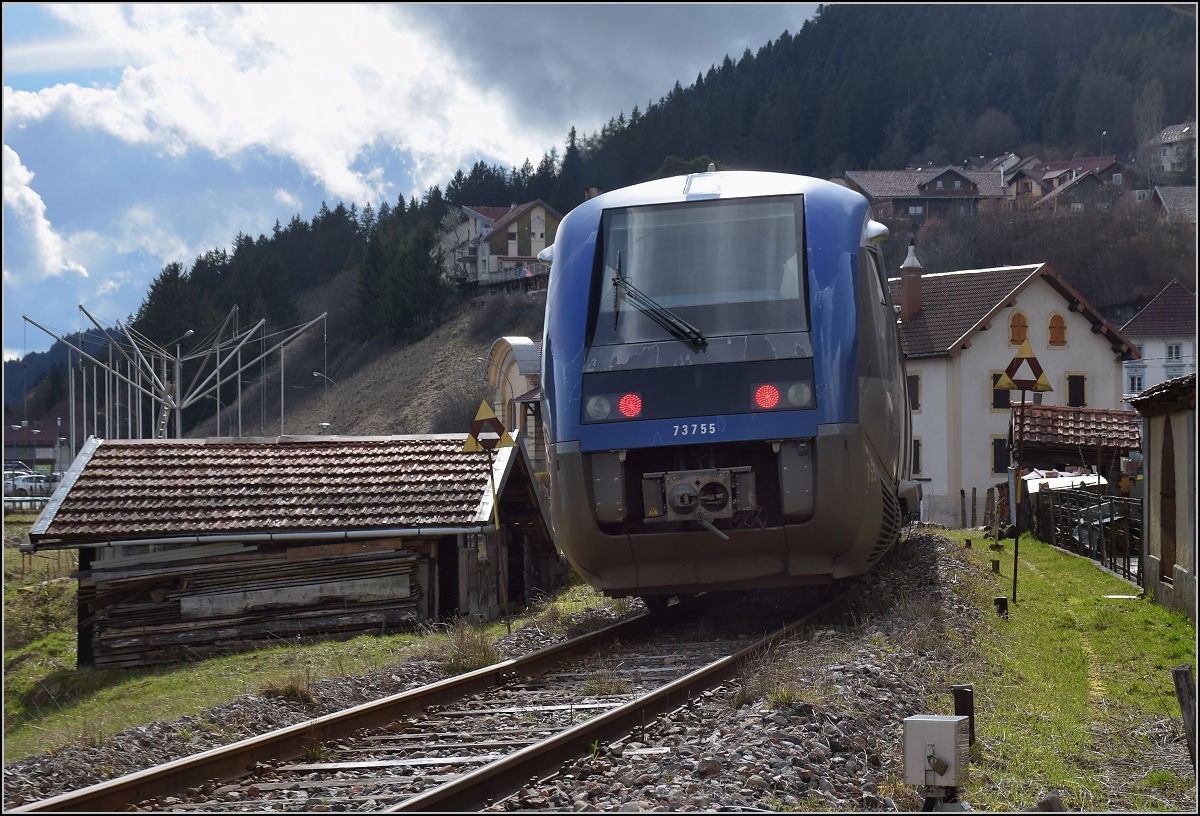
x=489, y=248
x=1165, y=334
x=959, y=332
x=1030, y=181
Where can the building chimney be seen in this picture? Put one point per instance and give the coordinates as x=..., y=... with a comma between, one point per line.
x=910, y=283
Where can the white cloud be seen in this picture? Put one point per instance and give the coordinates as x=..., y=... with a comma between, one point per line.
x=141, y=230
x=47, y=248
x=315, y=83
x=288, y=200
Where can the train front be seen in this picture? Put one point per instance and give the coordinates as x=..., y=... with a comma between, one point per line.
x=702, y=385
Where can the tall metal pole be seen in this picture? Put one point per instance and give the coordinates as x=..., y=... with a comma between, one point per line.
x=178, y=395
x=1020, y=482
x=501, y=550
x=108, y=396
x=71, y=401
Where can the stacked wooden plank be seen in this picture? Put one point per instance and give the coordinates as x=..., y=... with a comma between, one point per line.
x=201, y=601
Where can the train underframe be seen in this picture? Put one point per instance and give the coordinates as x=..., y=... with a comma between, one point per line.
x=725, y=516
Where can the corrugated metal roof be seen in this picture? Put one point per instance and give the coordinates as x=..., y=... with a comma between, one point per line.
x=1171, y=312
x=137, y=489
x=1085, y=427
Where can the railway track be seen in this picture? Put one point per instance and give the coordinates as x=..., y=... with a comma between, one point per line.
x=466, y=742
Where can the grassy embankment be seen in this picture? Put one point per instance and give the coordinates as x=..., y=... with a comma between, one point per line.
x=1073, y=689
x=1063, y=687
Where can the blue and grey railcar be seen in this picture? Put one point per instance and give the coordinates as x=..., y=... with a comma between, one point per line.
x=723, y=391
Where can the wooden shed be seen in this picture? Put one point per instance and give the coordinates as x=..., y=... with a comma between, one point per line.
x=190, y=548
x=1059, y=438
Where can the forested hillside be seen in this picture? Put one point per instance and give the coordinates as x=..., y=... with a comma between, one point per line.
x=857, y=87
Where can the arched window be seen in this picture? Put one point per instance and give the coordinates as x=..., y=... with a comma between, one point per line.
x=1058, y=330
x=1018, y=329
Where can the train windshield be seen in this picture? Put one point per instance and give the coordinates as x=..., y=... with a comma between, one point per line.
x=720, y=267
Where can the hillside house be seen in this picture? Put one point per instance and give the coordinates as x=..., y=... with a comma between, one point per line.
x=1028, y=182
x=1165, y=334
x=1085, y=192
x=959, y=332
x=936, y=192
x=198, y=547
x=496, y=248
x=1168, y=413
x=1177, y=204
x=1174, y=150
x=461, y=242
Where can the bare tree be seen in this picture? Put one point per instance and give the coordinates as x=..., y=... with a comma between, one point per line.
x=1149, y=114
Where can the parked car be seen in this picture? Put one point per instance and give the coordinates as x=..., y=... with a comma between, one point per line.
x=17, y=467
x=30, y=484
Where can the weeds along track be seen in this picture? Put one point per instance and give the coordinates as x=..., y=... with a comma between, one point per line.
x=468, y=741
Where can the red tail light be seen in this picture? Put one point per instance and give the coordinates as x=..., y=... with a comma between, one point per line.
x=630, y=405
x=766, y=396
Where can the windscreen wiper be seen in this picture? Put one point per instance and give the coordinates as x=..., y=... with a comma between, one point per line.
x=673, y=323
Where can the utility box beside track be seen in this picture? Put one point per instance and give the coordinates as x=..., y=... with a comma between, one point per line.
x=936, y=750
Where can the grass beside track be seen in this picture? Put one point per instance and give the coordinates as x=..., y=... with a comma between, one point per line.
x=1075, y=685
x=1072, y=690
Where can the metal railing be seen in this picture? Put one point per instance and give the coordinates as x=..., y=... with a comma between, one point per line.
x=1107, y=529
x=24, y=503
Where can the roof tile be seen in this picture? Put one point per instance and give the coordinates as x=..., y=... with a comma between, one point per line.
x=1171, y=312
x=168, y=488
x=1083, y=427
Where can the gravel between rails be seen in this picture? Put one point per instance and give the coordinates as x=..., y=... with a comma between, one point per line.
x=836, y=747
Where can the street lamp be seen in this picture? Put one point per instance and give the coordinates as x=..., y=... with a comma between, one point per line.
x=341, y=403
x=1103, y=133
x=33, y=459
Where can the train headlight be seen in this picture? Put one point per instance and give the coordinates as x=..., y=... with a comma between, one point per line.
x=800, y=395
x=630, y=405
x=782, y=396
x=599, y=407
x=766, y=396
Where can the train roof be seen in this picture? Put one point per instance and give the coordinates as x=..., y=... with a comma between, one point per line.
x=723, y=184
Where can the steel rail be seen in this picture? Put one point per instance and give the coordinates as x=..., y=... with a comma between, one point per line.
x=476, y=790
x=230, y=762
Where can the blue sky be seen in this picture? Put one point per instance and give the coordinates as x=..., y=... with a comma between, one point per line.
x=136, y=135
